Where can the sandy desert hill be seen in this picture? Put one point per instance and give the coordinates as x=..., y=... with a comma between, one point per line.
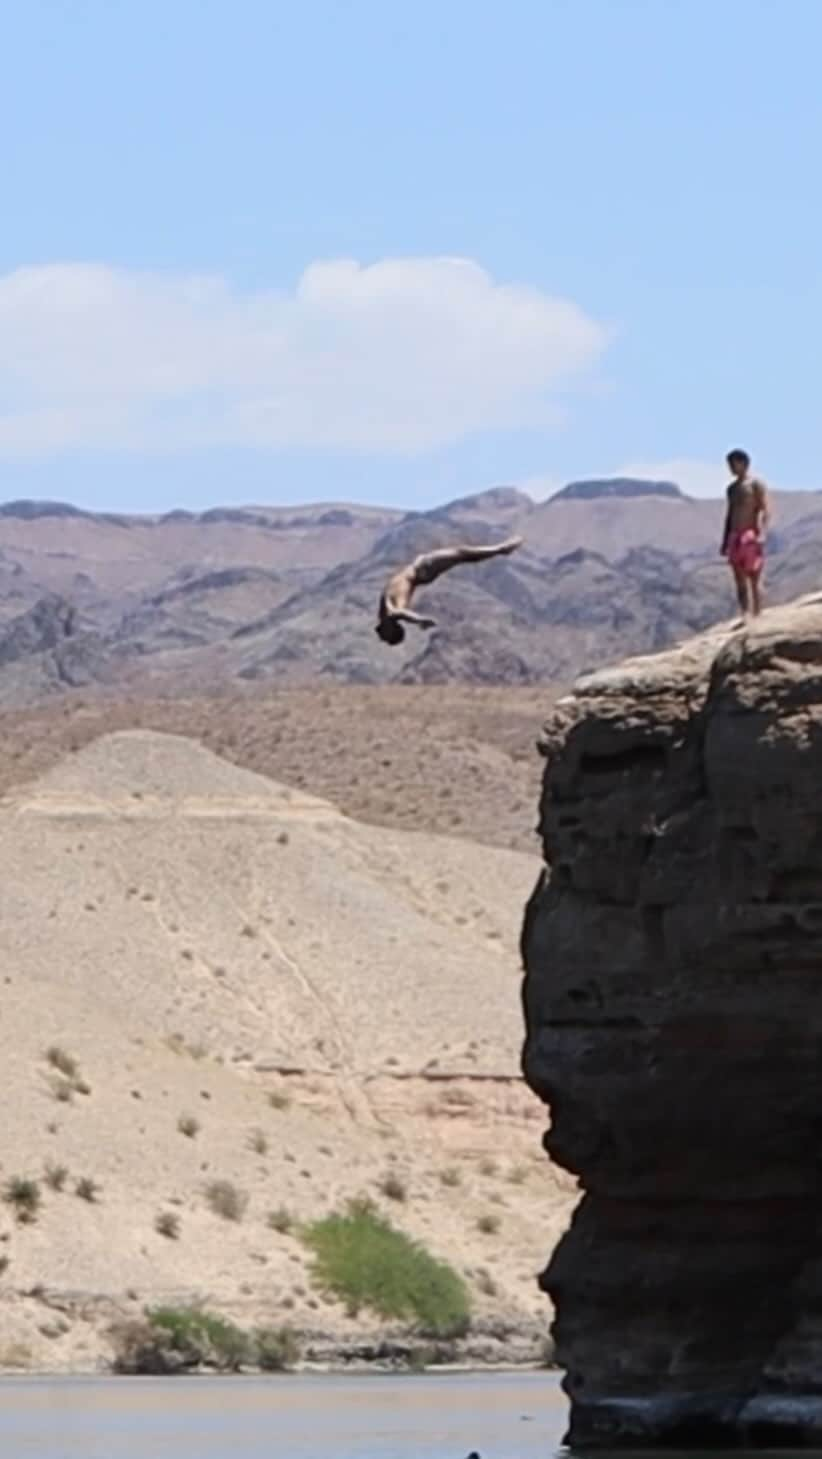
x=199, y=939
x=458, y=760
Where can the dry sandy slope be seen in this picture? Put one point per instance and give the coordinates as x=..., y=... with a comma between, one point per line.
x=457, y=760
x=198, y=936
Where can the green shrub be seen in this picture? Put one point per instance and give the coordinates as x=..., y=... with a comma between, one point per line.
x=275, y=1349
x=55, y=1176
x=87, y=1189
x=182, y=1339
x=202, y=1339
x=188, y=1125
x=450, y=1177
x=278, y=1100
x=363, y=1260
x=25, y=1196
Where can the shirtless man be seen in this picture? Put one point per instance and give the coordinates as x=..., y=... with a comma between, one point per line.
x=395, y=609
x=743, y=539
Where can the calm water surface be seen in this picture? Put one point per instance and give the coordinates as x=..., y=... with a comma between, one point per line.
x=504, y=1416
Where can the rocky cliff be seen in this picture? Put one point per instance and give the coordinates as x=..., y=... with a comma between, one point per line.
x=673, y=1000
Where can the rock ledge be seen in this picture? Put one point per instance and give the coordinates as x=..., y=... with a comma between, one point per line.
x=673, y=1002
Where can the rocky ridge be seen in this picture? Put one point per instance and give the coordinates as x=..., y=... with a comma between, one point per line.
x=188, y=601
x=674, y=1027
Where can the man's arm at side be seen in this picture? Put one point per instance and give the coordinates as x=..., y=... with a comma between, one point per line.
x=406, y=615
x=763, y=508
x=726, y=531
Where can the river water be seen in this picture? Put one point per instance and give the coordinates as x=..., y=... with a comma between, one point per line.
x=444, y=1416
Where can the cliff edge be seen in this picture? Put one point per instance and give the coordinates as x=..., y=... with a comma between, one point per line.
x=673, y=1003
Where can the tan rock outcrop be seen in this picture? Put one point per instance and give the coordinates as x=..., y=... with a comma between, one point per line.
x=673, y=1000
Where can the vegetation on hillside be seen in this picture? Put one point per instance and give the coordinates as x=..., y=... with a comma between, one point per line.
x=181, y=1339
x=363, y=1260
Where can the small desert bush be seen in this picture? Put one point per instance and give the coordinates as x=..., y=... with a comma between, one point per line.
x=281, y=1220
x=393, y=1188
x=278, y=1100
x=275, y=1349
x=55, y=1176
x=24, y=1196
x=218, y=1342
x=176, y=1339
x=63, y=1091
x=61, y=1061
x=486, y=1283
x=168, y=1224
x=258, y=1142
x=182, y=1339
x=362, y=1259
x=189, y=1126
x=16, y=1355
x=418, y=1360
x=518, y=1174
x=488, y=1225
x=488, y=1168
x=87, y=1189
x=226, y=1200
x=450, y=1177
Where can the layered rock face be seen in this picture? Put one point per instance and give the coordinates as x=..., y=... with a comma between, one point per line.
x=673, y=1001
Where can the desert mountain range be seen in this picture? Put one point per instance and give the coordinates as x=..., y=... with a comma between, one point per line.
x=190, y=601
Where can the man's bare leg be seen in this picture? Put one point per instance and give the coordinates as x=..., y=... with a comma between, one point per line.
x=755, y=582
x=431, y=565
x=741, y=580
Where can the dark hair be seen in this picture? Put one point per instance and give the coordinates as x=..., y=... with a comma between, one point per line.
x=737, y=454
x=390, y=631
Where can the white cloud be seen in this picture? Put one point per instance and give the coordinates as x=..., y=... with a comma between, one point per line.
x=399, y=356
x=695, y=477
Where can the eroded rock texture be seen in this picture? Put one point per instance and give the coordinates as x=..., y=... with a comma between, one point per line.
x=673, y=1000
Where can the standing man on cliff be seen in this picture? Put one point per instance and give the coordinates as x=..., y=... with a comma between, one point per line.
x=746, y=522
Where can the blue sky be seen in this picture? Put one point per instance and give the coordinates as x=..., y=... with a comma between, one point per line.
x=258, y=251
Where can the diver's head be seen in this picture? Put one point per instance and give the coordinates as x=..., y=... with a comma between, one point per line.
x=390, y=631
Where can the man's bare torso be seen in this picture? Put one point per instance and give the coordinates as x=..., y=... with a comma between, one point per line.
x=746, y=500
x=399, y=590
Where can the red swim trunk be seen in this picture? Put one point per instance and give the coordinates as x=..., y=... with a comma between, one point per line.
x=745, y=552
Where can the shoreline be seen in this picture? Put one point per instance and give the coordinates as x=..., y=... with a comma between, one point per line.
x=300, y=1370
